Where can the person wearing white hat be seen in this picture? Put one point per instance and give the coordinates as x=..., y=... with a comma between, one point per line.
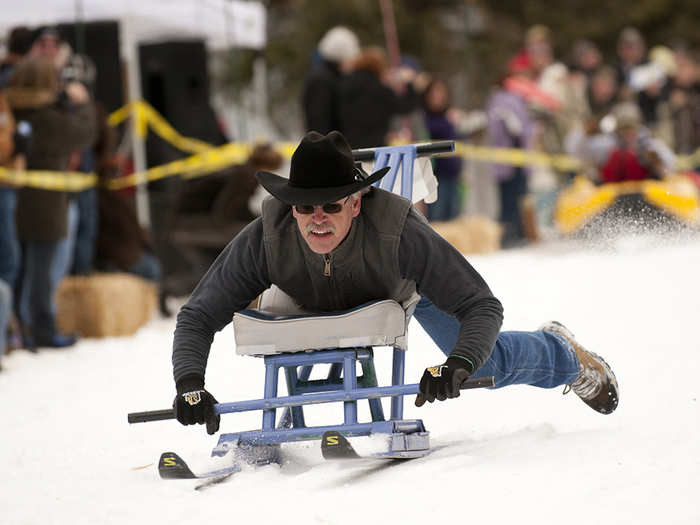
x=320, y=98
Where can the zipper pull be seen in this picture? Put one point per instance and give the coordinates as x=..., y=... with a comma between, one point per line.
x=327, y=269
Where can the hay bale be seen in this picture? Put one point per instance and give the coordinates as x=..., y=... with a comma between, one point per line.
x=103, y=305
x=471, y=234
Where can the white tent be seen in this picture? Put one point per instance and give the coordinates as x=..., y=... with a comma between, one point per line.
x=221, y=23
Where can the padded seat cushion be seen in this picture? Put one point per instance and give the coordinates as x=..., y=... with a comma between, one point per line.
x=380, y=323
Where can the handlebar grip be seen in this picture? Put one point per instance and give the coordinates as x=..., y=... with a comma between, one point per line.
x=426, y=149
x=152, y=415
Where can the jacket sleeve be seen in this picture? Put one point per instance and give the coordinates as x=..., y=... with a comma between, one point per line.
x=7, y=129
x=405, y=102
x=235, y=279
x=319, y=104
x=445, y=277
x=72, y=128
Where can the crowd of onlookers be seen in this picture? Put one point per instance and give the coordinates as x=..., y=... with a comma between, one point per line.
x=50, y=121
x=625, y=118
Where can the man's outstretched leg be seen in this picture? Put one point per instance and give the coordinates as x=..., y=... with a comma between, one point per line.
x=546, y=358
x=596, y=384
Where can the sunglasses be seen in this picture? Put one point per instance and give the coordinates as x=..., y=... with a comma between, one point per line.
x=329, y=207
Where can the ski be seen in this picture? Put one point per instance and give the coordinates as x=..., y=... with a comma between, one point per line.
x=334, y=445
x=214, y=480
x=172, y=466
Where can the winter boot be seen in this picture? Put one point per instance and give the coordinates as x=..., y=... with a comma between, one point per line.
x=596, y=384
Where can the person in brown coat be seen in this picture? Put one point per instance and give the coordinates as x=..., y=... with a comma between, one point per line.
x=8, y=239
x=62, y=120
x=9, y=159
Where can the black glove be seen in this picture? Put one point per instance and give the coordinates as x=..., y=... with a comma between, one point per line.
x=193, y=404
x=443, y=381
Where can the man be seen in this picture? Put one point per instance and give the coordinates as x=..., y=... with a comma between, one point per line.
x=321, y=96
x=634, y=153
x=329, y=247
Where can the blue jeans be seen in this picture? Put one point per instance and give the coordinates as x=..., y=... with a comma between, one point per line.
x=518, y=358
x=447, y=205
x=147, y=267
x=512, y=191
x=9, y=247
x=5, y=309
x=63, y=259
x=86, y=232
x=37, y=289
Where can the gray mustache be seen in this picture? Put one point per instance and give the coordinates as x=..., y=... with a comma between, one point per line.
x=326, y=227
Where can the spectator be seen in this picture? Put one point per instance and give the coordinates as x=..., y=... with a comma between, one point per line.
x=635, y=155
x=8, y=242
x=321, y=96
x=9, y=249
x=586, y=58
x=46, y=43
x=75, y=252
x=601, y=96
x=652, y=83
x=19, y=42
x=121, y=244
x=598, y=122
x=371, y=95
x=441, y=126
x=62, y=121
x=411, y=127
x=82, y=248
x=553, y=79
x=631, y=53
x=510, y=125
x=684, y=105
x=5, y=312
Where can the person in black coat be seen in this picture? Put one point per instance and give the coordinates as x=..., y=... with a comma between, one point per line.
x=368, y=102
x=320, y=100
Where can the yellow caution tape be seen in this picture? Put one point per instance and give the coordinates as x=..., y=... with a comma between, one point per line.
x=517, y=157
x=49, y=180
x=207, y=158
x=213, y=159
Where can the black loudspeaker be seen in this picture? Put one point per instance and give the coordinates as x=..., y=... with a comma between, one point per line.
x=174, y=81
x=100, y=42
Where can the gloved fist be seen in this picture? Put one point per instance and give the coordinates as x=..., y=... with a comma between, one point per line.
x=443, y=381
x=194, y=405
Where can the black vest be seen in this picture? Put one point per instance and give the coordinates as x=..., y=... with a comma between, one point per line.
x=363, y=268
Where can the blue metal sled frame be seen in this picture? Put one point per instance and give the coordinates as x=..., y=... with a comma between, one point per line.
x=348, y=390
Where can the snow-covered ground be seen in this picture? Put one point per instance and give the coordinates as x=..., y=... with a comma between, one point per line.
x=515, y=455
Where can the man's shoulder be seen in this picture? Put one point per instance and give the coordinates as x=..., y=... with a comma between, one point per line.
x=276, y=216
x=385, y=211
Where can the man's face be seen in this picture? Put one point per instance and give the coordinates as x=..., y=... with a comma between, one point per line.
x=46, y=46
x=631, y=52
x=324, y=232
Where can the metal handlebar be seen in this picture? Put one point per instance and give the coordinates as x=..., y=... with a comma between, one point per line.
x=425, y=149
x=299, y=400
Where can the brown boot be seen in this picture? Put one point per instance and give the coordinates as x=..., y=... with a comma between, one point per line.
x=596, y=384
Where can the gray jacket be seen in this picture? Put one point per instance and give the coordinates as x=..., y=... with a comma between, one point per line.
x=389, y=252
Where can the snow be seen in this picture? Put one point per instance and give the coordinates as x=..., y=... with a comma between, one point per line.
x=515, y=455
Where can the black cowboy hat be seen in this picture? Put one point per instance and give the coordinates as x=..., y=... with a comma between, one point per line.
x=322, y=170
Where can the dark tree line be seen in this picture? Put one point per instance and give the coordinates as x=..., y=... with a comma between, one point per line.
x=468, y=41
